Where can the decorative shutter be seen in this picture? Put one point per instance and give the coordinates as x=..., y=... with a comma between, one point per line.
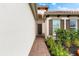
x=62, y=24
x=50, y=27
x=67, y=24
x=78, y=23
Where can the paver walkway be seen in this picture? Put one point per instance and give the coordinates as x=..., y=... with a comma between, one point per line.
x=39, y=48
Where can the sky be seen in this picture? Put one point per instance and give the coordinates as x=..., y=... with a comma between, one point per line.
x=60, y=6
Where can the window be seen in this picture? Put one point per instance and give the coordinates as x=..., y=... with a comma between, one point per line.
x=73, y=24
x=53, y=25
x=56, y=25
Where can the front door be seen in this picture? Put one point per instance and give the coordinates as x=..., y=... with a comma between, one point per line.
x=39, y=28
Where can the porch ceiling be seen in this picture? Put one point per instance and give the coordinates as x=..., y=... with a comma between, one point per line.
x=33, y=7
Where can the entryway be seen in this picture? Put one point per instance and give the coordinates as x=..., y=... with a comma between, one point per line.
x=39, y=27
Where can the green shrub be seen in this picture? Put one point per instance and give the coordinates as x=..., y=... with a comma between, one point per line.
x=76, y=42
x=66, y=36
x=68, y=43
x=60, y=34
x=59, y=50
x=77, y=34
x=50, y=43
x=56, y=48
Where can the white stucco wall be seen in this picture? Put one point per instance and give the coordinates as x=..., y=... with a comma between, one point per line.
x=17, y=29
x=46, y=28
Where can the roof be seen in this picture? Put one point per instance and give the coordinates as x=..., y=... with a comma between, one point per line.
x=62, y=12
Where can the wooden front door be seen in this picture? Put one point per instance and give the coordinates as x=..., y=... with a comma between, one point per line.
x=39, y=28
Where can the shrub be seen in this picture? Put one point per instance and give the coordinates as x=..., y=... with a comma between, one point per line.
x=76, y=42
x=66, y=36
x=59, y=50
x=68, y=43
x=56, y=48
x=60, y=34
x=50, y=43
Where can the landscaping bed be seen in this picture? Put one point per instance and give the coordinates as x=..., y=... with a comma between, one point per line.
x=65, y=44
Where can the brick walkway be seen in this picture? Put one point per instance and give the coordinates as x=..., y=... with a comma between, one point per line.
x=39, y=48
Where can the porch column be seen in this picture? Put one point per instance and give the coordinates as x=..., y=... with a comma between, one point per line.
x=64, y=23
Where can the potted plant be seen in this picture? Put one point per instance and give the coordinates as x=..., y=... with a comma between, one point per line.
x=77, y=52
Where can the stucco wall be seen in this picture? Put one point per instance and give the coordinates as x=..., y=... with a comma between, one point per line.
x=17, y=29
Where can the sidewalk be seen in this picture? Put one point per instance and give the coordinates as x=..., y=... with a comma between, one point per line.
x=39, y=48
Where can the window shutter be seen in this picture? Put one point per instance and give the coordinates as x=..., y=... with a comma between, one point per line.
x=78, y=23
x=67, y=24
x=50, y=27
x=62, y=24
